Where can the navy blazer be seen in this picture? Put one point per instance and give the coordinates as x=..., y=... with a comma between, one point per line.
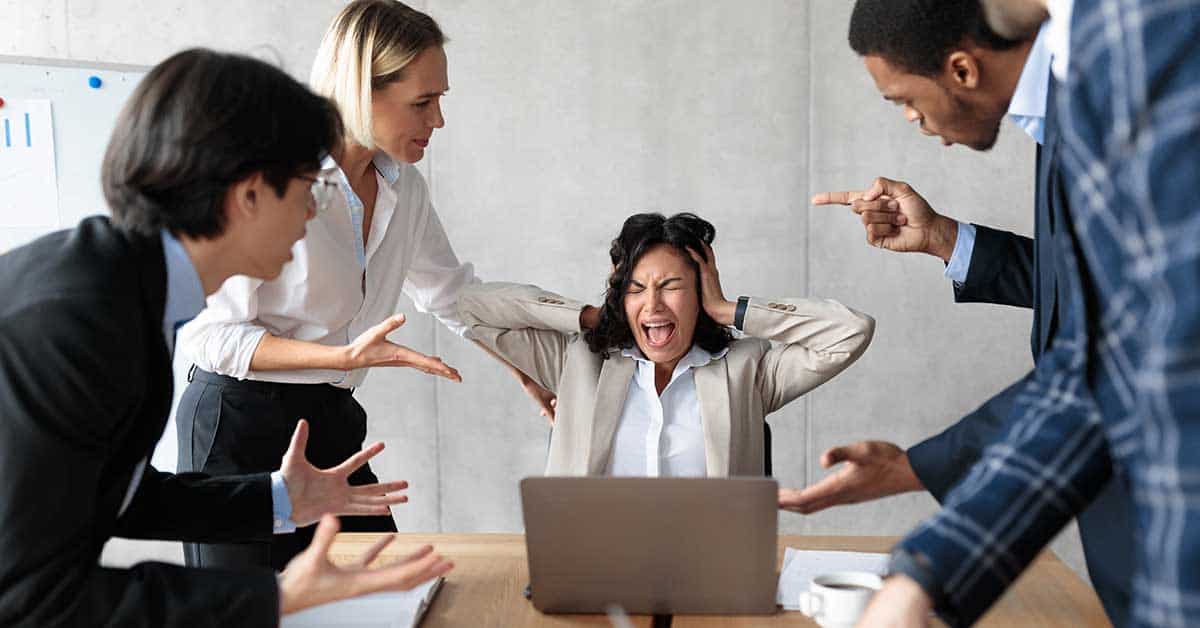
x=85, y=389
x=1009, y=269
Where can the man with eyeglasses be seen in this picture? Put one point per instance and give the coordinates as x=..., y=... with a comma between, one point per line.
x=322, y=191
x=204, y=180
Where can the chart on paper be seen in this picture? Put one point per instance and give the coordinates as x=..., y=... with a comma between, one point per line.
x=28, y=180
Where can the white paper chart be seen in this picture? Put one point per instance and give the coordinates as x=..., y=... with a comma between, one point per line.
x=28, y=180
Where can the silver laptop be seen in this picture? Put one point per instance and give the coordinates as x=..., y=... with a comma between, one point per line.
x=651, y=545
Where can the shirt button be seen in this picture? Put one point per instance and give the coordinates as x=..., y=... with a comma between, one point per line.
x=278, y=523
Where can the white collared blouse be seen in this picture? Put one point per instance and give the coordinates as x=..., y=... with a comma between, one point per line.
x=662, y=435
x=335, y=287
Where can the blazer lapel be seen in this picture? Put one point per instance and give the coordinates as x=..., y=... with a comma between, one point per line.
x=712, y=389
x=611, y=391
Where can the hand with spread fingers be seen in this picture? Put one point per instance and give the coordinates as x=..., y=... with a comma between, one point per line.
x=712, y=298
x=898, y=219
x=870, y=470
x=310, y=579
x=314, y=492
x=372, y=348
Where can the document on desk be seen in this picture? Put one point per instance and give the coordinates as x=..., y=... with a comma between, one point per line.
x=403, y=609
x=801, y=566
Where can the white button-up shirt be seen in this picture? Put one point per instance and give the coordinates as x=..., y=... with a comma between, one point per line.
x=661, y=435
x=320, y=296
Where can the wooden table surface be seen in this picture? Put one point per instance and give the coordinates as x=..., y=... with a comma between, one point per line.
x=490, y=573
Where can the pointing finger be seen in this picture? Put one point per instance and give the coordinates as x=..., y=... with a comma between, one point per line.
x=835, y=198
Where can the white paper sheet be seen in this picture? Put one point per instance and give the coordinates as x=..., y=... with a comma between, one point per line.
x=801, y=566
x=379, y=610
x=28, y=179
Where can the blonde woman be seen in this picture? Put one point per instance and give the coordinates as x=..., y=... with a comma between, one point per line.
x=267, y=354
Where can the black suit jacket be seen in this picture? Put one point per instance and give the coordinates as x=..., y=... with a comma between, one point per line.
x=1009, y=269
x=85, y=389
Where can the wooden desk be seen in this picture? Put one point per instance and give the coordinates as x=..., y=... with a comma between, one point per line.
x=490, y=574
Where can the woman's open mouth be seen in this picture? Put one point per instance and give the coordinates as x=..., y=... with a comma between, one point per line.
x=658, y=334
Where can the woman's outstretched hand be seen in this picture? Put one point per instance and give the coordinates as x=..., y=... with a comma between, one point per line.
x=372, y=348
x=712, y=299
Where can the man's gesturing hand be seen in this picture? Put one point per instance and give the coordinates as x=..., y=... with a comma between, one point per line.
x=896, y=218
x=314, y=492
x=872, y=469
x=310, y=579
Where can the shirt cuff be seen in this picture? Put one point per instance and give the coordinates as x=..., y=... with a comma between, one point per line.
x=902, y=561
x=960, y=259
x=916, y=566
x=281, y=506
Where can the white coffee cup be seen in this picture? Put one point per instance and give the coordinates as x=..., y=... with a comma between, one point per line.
x=837, y=600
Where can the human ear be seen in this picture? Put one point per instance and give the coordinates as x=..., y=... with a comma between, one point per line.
x=241, y=199
x=963, y=69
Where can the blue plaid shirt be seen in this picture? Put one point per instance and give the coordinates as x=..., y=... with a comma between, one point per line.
x=1119, y=389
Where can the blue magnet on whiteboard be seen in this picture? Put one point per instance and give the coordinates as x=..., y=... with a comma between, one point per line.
x=94, y=82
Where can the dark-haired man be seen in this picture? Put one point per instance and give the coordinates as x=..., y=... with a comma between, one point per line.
x=1119, y=390
x=208, y=175
x=957, y=79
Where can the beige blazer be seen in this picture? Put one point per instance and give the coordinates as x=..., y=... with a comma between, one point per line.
x=539, y=333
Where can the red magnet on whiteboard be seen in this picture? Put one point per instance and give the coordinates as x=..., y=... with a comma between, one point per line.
x=1, y=102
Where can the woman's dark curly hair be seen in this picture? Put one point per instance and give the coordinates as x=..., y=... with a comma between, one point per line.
x=639, y=234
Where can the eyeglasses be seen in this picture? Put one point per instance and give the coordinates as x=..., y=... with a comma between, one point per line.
x=322, y=190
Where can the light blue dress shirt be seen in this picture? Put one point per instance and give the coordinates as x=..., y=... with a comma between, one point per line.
x=1027, y=110
x=185, y=299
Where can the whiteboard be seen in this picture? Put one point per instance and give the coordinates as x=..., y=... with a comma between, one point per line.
x=83, y=122
x=83, y=119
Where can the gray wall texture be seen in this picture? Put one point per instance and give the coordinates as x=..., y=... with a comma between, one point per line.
x=566, y=116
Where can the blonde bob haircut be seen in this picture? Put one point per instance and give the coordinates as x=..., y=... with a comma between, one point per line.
x=366, y=48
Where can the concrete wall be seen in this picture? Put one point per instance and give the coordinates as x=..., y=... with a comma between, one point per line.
x=565, y=117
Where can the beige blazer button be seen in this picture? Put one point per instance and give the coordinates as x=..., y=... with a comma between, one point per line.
x=543, y=300
x=791, y=308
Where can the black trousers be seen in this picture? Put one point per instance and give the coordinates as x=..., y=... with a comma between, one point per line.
x=228, y=426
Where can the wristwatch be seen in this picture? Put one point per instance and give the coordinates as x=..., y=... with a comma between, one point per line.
x=739, y=314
